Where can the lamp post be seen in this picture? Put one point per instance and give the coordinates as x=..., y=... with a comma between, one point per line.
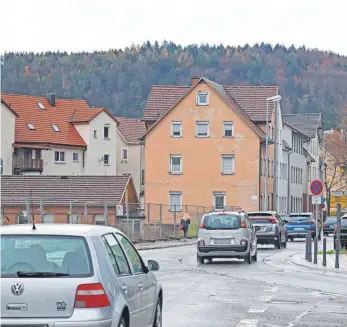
x=275, y=98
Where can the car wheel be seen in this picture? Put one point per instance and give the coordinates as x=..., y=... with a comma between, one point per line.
x=255, y=257
x=326, y=234
x=291, y=239
x=158, y=318
x=200, y=260
x=209, y=260
x=248, y=258
x=284, y=244
x=278, y=243
x=122, y=323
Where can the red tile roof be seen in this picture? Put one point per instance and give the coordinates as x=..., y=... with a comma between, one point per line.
x=82, y=116
x=131, y=128
x=28, y=111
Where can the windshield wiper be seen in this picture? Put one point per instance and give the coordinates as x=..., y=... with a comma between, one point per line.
x=41, y=274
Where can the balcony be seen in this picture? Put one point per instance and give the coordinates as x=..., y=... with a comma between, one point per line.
x=25, y=165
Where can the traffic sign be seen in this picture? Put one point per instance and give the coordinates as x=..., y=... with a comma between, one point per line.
x=316, y=187
x=316, y=199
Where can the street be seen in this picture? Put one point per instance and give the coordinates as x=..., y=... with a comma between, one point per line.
x=272, y=292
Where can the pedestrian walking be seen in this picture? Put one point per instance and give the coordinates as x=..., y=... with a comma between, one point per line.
x=185, y=222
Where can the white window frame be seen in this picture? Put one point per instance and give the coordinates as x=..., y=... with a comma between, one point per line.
x=122, y=154
x=41, y=106
x=198, y=98
x=217, y=194
x=171, y=166
x=59, y=161
x=228, y=156
x=95, y=134
x=108, y=156
x=225, y=124
x=73, y=157
x=48, y=216
x=171, y=206
x=55, y=128
x=178, y=123
x=108, y=128
x=31, y=126
x=199, y=123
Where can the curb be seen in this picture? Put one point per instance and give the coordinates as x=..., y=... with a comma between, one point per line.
x=158, y=247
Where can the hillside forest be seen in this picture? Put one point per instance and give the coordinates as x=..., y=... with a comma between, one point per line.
x=119, y=80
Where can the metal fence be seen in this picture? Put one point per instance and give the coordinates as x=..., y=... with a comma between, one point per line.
x=140, y=222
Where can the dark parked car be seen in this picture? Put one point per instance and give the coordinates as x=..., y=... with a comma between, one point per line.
x=329, y=225
x=343, y=233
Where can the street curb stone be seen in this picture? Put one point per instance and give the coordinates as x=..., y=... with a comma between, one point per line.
x=164, y=246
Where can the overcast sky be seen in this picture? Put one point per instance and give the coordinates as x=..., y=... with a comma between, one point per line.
x=75, y=25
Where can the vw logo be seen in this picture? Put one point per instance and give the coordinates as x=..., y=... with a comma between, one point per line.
x=17, y=288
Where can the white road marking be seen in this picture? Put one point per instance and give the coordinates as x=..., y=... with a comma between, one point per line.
x=257, y=309
x=265, y=298
x=248, y=323
x=271, y=289
x=306, y=312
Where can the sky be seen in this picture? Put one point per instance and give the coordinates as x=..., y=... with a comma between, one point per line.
x=88, y=25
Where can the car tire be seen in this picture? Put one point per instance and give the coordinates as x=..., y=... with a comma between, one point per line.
x=291, y=239
x=278, y=243
x=200, y=260
x=158, y=317
x=284, y=244
x=326, y=234
x=122, y=323
x=255, y=257
x=209, y=260
x=248, y=257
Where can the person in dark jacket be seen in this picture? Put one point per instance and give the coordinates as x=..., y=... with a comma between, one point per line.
x=185, y=222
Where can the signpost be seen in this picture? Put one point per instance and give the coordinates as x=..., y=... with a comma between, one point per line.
x=316, y=189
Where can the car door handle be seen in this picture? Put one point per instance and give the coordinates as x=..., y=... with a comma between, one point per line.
x=125, y=289
x=140, y=286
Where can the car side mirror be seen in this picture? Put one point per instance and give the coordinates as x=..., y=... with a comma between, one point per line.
x=153, y=265
x=257, y=228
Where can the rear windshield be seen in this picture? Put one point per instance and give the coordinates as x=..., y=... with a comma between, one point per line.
x=225, y=221
x=260, y=214
x=300, y=217
x=58, y=256
x=331, y=220
x=344, y=221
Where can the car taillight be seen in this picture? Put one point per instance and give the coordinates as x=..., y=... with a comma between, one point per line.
x=91, y=296
x=202, y=226
x=201, y=243
x=243, y=224
x=273, y=220
x=311, y=222
x=243, y=242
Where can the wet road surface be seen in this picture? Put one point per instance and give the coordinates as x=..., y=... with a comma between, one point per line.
x=271, y=292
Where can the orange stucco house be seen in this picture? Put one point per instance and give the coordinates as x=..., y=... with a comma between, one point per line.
x=205, y=145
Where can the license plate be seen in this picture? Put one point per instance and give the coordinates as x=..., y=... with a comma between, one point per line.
x=263, y=229
x=223, y=241
x=299, y=228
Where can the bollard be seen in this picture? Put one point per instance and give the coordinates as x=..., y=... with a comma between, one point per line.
x=310, y=249
x=337, y=240
x=337, y=253
x=324, y=251
x=315, y=254
x=306, y=246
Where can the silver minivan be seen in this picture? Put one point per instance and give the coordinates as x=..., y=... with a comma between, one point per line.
x=76, y=275
x=226, y=234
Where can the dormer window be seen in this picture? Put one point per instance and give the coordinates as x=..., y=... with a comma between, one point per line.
x=31, y=126
x=55, y=128
x=41, y=106
x=202, y=98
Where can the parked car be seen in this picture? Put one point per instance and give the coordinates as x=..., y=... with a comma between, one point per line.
x=226, y=235
x=272, y=229
x=343, y=233
x=329, y=225
x=301, y=224
x=76, y=275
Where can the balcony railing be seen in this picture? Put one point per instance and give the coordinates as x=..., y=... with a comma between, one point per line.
x=32, y=164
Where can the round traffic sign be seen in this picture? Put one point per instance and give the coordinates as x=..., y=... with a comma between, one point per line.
x=316, y=187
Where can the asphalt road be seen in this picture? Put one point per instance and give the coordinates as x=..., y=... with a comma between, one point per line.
x=271, y=292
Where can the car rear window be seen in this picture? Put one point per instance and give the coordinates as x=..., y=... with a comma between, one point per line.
x=222, y=221
x=331, y=220
x=300, y=217
x=65, y=256
x=344, y=221
x=260, y=214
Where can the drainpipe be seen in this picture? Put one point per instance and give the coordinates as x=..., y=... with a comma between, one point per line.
x=83, y=156
x=259, y=177
x=288, y=183
x=275, y=185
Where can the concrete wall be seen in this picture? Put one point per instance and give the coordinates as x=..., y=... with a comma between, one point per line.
x=7, y=123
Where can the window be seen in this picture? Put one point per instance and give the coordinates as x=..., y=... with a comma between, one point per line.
x=75, y=156
x=134, y=258
x=31, y=126
x=106, y=132
x=176, y=164
x=106, y=159
x=22, y=219
x=202, y=98
x=175, y=201
x=74, y=218
x=202, y=129
x=176, y=129
x=55, y=128
x=59, y=156
x=124, y=154
x=228, y=129
x=228, y=165
x=41, y=106
x=99, y=220
x=48, y=219
x=95, y=134
x=115, y=253
x=219, y=200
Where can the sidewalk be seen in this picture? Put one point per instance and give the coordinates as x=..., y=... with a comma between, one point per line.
x=164, y=244
x=299, y=260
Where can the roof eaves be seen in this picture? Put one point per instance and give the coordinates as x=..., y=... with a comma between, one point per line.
x=296, y=130
x=9, y=107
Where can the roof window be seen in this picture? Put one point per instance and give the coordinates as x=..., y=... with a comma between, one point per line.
x=31, y=126
x=55, y=128
x=41, y=106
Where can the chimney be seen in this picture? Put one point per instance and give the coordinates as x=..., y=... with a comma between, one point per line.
x=51, y=98
x=195, y=79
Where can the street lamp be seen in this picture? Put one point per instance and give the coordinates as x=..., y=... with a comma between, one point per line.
x=275, y=98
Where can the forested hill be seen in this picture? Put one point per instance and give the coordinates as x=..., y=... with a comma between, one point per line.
x=310, y=80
